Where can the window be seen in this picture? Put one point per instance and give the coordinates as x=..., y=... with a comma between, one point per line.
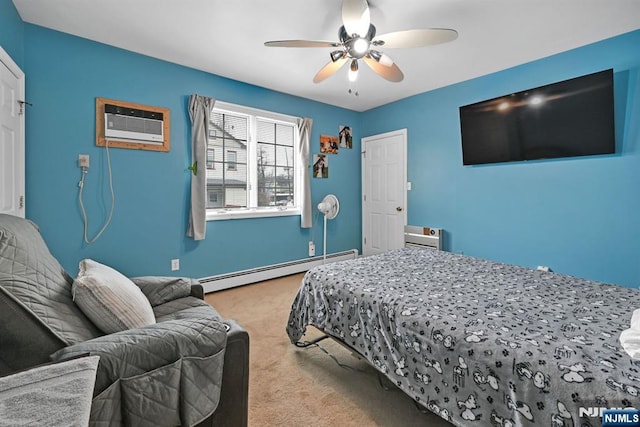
x=213, y=199
x=253, y=166
x=232, y=158
x=211, y=157
x=276, y=169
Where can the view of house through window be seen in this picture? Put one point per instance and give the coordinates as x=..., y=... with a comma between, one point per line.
x=252, y=162
x=275, y=164
x=227, y=171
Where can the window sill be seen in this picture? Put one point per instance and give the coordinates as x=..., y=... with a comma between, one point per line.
x=219, y=214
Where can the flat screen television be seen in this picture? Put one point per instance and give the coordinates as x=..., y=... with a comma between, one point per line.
x=565, y=119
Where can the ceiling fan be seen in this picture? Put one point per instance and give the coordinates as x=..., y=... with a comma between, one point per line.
x=358, y=41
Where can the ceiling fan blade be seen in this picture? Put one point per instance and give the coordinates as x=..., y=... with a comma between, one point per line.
x=300, y=43
x=329, y=69
x=415, y=38
x=390, y=72
x=356, y=17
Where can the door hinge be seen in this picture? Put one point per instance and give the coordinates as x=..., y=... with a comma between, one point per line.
x=365, y=240
x=21, y=202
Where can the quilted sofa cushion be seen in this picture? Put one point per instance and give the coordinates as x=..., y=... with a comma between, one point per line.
x=185, y=308
x=31, y=275
x=169, y=373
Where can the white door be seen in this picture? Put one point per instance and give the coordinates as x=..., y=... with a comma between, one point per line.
x=11, y=137
x=384, y=195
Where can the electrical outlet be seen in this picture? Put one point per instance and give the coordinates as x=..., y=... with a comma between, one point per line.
x=312, y=248
x=175, y=264
x=83, y=160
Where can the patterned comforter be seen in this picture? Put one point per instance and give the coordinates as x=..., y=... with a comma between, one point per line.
x=479, y=342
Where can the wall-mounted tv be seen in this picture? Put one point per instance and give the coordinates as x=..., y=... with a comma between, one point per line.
x=565, y=119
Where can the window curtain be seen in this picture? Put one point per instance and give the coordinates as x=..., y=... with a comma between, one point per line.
x=199, y=112
x=304, y=130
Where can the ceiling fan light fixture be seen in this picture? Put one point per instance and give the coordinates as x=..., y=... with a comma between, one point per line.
x=353, y=71
x=386, y=60
x=381, y=58
x=337, y=55
x=360, y=45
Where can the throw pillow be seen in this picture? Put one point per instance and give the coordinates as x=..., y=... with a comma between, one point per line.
x=112, y=301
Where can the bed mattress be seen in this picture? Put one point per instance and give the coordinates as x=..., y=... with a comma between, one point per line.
x=479, y=342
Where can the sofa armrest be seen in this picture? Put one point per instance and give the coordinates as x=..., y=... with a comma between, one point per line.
x=197, y=290
x=233, y=409
x=159, y=290
x=137, y=351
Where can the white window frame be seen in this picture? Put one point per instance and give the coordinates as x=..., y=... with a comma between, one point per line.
x=253, y=114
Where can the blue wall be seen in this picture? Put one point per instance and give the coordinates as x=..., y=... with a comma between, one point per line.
x=11, y=32
x=65, y=74
x=580, y=216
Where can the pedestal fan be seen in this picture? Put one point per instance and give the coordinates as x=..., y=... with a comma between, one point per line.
x=329, y=206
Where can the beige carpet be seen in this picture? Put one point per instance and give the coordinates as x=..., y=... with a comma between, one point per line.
x=291, y=386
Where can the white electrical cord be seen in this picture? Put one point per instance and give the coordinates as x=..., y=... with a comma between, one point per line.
x=85, y=171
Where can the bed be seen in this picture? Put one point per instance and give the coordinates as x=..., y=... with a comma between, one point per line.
x=478, y=342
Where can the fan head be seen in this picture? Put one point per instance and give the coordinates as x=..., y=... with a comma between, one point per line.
x=329, y=206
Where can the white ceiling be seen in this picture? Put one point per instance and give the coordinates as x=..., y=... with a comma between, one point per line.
x=226, y=37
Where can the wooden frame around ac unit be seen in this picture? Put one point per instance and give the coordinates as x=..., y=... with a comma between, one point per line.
x=134, y=145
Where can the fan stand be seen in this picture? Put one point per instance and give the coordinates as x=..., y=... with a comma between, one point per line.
x=324, y=241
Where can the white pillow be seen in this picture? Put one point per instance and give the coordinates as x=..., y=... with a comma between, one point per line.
x=112, y=301
x=635, y=320
x=630, y=338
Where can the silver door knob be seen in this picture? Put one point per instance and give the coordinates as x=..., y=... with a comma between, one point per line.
x=399, y=209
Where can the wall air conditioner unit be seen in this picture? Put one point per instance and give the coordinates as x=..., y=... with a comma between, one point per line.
x=132, y=124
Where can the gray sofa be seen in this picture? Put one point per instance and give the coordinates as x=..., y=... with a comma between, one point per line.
x=189, y=368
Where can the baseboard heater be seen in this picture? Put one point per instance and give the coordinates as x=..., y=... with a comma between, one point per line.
x=245, y=277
